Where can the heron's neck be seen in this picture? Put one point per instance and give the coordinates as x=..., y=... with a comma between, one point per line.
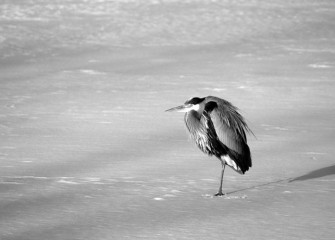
x=192, y=120
x=193, y=114
x=199, y=108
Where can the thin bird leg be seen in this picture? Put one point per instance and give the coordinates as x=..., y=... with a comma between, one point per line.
x=222, y=172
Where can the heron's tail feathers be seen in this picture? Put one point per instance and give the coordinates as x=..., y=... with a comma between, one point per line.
x=239, y=162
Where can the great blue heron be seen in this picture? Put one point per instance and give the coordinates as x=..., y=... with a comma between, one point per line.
x=218, y=129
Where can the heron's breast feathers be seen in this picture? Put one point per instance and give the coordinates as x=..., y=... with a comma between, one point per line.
x=202, y=141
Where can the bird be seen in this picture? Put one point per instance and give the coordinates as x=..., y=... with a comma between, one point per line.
x=219, y=130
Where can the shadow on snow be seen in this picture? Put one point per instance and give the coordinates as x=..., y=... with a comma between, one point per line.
x=316, y=174
x=322, y=172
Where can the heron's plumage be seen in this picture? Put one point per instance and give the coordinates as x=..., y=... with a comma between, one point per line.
x=228, y=114
x=220, y=130
x=203, y=133
x=230, y=128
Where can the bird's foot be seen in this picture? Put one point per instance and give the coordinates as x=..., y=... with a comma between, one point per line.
x=219, y=194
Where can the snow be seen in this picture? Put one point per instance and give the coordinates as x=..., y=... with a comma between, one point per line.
x=87, y=151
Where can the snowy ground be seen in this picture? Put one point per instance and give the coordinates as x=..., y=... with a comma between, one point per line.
x=87, y=151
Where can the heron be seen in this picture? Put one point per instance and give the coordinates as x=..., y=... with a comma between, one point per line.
x=219, y=130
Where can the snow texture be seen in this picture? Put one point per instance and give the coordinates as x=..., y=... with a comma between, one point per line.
x=87, y=151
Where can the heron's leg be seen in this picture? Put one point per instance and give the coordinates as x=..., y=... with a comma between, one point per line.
x=222, y=172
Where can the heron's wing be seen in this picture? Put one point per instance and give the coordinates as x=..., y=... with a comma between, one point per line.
x=229, y=126
x=230, y=129
x=230, y=114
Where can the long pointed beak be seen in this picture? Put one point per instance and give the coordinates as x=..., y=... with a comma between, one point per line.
x=178, y=109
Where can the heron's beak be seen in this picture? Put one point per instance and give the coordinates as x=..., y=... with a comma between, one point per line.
x=177, y=109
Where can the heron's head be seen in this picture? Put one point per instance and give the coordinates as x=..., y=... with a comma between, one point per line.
x=196, y=104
